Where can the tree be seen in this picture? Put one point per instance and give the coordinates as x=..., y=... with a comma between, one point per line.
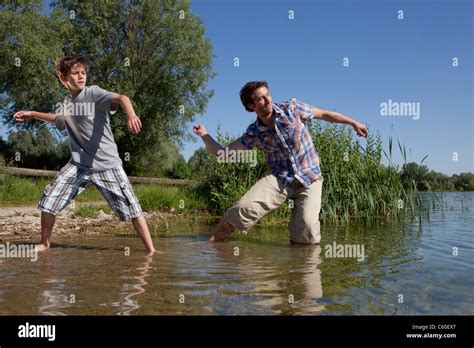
x=156, y=163
x=464, y=181
x=413, y=172
x=180, y=170
x=199, y=163
x=21, y=147
x=434, y=181
x=4, y=152
x=155, y=52
x=40, y=150
x=29, y=41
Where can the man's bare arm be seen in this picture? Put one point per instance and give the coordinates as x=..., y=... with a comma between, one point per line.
x=333, y=116
x=213, y=146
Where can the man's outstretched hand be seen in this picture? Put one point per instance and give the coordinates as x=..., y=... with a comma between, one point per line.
x=360, y=129
x=200, y=130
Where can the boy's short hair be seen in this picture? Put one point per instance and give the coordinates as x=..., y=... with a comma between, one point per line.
x=64, y=64
x=248, y=90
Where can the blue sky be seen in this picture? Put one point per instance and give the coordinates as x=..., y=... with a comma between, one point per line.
x=408, y=60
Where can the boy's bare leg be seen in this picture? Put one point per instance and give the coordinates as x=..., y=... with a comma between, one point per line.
x=222, y=230
x=142, y=229
x=47, y=223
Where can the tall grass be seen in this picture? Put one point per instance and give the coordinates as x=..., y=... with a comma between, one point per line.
x=357, y=186
x=19, y=191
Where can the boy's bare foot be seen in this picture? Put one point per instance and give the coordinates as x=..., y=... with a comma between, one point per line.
x=41, y=247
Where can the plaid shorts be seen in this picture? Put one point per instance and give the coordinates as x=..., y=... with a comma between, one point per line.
x=72, y=180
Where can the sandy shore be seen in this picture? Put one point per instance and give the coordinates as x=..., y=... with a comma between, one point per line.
x=23, y=222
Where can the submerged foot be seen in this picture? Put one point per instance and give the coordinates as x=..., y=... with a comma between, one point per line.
x=41, y=247
x=150, y=252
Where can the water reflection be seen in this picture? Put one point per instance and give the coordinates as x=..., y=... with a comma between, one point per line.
x=79, y=283
x=282, y=281
x=131, y=291
x=52, y=300
x=310, y=289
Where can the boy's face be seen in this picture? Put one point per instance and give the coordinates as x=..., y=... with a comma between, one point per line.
x=76, y=78
x=262, y=101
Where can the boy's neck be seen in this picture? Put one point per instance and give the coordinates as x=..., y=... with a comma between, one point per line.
x=74, y=93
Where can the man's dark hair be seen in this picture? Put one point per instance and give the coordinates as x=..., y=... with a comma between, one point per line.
x=64, y=64
x=248, y=90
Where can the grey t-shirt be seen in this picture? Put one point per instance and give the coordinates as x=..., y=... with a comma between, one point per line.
x=86, y=119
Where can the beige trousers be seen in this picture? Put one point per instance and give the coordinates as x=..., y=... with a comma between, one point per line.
x=268, y=194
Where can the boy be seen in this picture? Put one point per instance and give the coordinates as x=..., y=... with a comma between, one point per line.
x=290, y=154
x=95, y=159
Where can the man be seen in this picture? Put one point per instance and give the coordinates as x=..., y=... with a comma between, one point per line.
x=290, y=154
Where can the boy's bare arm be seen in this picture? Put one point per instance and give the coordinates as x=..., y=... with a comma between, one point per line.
x=133, y=123
x=333, y=116
x=22, y=116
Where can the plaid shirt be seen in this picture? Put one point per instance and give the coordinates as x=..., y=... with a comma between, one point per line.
x=289, y=150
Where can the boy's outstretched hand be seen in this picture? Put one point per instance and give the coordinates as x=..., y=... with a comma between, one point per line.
x=22, y=116
x=200, y=130
x=134, y=124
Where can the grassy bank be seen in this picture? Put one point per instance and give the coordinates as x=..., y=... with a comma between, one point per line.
x=16, y=191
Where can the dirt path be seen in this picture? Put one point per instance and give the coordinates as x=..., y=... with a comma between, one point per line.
x=23, y=222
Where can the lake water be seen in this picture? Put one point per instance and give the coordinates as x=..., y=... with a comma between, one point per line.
x=416, y=268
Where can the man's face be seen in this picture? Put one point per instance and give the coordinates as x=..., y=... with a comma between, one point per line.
x=76, y=77
x=262, y=101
